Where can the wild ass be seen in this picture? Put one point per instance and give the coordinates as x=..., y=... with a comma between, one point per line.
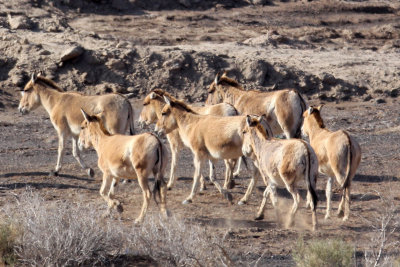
x=208, y=137
x=283, y=108
x=151, y=112
x=63, y=108
x=124, y=156
x=338, y=154
x=281, y=163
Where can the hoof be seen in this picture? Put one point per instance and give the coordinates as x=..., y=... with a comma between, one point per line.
x=120, y=208
x=203, y=188
x=228, y=196
x=241, y=202
x=166, y=214
x=169, y=188
x=53, y=173
x=259, y=217
x=327, y=216
x=186, y=201
x=231, y=184
x=90, y=172
x=340, y=214
x=138, y=221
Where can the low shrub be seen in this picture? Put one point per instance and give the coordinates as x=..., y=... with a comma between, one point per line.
x=327, y=253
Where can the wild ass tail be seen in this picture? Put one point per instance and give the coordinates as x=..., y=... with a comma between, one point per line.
x=130, y=118
x=349, y=158
x=159, y=176
x=308, y=178
x=303, y=106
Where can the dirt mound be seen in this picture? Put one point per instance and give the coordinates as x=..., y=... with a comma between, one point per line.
x=134, y=52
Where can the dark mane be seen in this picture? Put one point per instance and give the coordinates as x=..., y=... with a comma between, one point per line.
x=318, y=118
x=95, y=118
x=230, y=82
x=162, y=93
x=181, y=105
x=48, y=83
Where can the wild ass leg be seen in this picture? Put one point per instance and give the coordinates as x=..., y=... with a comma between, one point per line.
x=254, y=177
x=174, y=156
x=106, y=184
x=229, y=166
x=344, y=206
x=143, y=182
x=296, y=197
x=274, y=201
x=75, y=153
x=60, y=154
x=328, y=192
x=197, y=168
x=260, y=213
x=226, y=194
x=239, y=163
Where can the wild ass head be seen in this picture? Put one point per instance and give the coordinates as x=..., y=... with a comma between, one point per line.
x=255, y=126
x=89, y=126
x=217, y=92
x=312, y=118
x=152, y=105
x=30, y=99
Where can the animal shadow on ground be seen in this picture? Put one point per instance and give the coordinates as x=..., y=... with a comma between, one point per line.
x=39, y=185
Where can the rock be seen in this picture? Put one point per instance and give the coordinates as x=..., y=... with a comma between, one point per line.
x=328, y=79
x=380, y=101
x=18, y=79
x=116, y=64
x=19, y=22
x=72, y=53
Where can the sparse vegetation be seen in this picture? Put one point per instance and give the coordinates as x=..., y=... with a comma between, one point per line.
x=328, y=253
x=71, y=234
x=8, y=235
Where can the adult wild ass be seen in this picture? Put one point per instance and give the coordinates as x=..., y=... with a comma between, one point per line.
x=151, y=113
x=208, y=137
x=281, y=163
x=125, y=156
x=283, y=108
x=338, y=154
x=64, y=110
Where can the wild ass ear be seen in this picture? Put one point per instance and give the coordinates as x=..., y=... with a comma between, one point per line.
x=167, y=101
x=248, y=120
x=85, y=115
x=33, y=78
x=319, y=107
x=41, y=73
x=153, y=95
x=225, y=73
x=216, y=79
x=310, y=110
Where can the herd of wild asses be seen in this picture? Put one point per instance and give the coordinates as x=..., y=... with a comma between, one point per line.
x=234, y=125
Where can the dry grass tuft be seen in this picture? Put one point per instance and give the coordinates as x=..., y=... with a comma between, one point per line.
x=61, y=234
x=176, y=243
x=323, y=253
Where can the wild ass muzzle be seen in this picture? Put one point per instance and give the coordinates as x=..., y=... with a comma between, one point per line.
x=281, y=163
x=64, y=110
x=283, y=108
x=208, y=137
x=128, y=157
x=339, y=155
x=151, y=113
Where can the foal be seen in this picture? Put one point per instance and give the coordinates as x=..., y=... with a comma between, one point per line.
x=124, y=156
x=281, y=162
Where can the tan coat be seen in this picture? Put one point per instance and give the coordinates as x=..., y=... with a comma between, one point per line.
x=282, y=108
x=282, y=163
x=124, y=156
x=66, y=117
x=339, y=156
